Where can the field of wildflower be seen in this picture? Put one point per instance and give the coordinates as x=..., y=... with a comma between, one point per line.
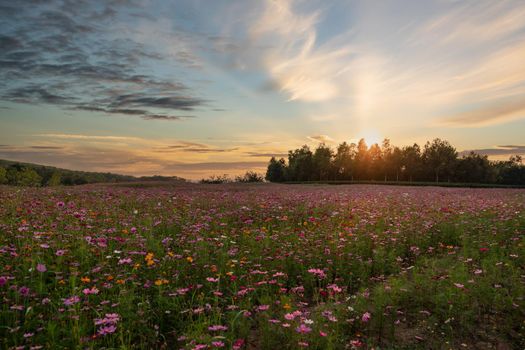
x=240, y=266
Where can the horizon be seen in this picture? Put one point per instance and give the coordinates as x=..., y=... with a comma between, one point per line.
x=194, y=88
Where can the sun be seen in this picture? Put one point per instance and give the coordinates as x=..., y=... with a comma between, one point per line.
x=372, y=136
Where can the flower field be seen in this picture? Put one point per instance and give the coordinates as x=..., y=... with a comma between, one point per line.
x=263, y=266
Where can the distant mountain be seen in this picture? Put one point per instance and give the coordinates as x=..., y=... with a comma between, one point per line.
x=29, y=174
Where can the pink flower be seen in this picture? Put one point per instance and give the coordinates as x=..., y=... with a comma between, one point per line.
x=60, y=252
x=211, y=279
x=72, y=300
x=263, y=307
x=93, y=290
x=217, y=344
x=317, y=272
x=41, y=268
x=459, y=285
x=237, y=344
x=303, y=329
x=24, y=291
x=323, y=334
x=366, y=317
x=216, y=328
x=107, y=330
x=125, y=261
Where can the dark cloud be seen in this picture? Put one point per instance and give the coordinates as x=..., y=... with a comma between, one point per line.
x=267, y=155
x=33, y=94
x=166, y=117
x=215, y=166
x=61, y=53
x=167, y=102
x=497, y=151
x=193, y=147
x=46, y=147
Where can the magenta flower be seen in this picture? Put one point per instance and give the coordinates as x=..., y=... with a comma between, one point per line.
x=317, y=272
x=23, y=291
x=41, y=268
x=107, y=330
x=72, y=300
x=303, y=329
x=60, y=252
x=366, y=317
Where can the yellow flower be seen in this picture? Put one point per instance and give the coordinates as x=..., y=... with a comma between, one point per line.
x=287, y=306
x=189, y=259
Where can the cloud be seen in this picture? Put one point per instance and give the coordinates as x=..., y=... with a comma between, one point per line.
x=91, y=137
x=125, y=161
x=70, y=55
x=321, y=138
x=267, y=154
x=497, y=151
x=193, y=147
x=296, y=63
x=494, y=113
x=46, y=147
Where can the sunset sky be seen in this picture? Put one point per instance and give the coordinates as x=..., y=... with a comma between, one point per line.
x=194, y=88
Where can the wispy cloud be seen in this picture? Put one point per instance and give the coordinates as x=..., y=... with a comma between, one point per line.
x=321, y=138
x=296, y=63
x=90, y=137
x=505, y=150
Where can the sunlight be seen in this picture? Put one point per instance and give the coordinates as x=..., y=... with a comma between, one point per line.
x=372, y=136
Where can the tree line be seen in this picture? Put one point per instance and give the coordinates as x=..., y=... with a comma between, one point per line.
x=437, y=161
x=27, y=174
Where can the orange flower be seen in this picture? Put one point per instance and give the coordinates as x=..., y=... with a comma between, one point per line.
x=121, y=281
x=85, y=279
x=189, y=259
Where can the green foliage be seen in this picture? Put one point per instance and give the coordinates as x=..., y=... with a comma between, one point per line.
x=23, y=177
x=276, y=171
x=3, y=176
x=216, y=179
x=249, y=176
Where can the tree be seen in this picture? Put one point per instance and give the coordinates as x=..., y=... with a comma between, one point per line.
x=54, y=180
x=411, y=160
x=21, y=176
x=342, y=161
x=440, y=157
x=474, y=168
x=300, y=164
x=249, y=176
x=276, y=171
x=322, y=162
x=3, y=176
x=376, y=162
x=362, y=161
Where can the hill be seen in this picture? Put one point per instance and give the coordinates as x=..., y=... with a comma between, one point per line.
x=29, y=174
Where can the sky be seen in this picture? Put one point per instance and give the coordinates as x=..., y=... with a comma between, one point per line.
x=195, y=88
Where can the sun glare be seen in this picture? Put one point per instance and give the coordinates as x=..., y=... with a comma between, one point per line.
x=372, y=136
